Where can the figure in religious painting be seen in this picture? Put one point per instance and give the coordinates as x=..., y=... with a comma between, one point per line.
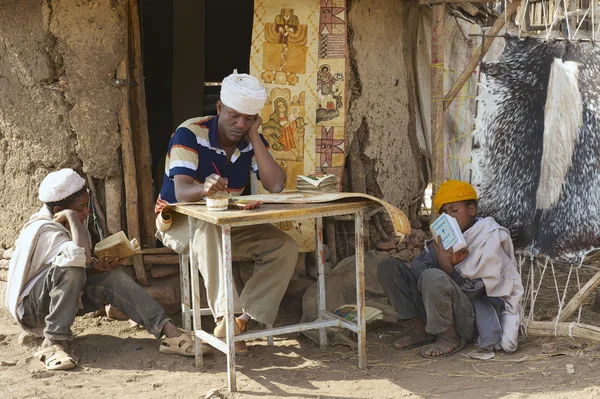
x=284, y=49
x=286, y=23
x=330, y=94
x=282, y=127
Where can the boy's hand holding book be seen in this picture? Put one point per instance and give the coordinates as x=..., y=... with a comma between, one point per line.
x=106, y=265
x=449, y=244
x=114, y=249
x=447, y=258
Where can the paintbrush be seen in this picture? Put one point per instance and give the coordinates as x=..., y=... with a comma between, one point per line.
x=226, y=188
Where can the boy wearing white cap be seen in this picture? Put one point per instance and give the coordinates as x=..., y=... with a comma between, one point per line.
x=216, y=153
x=52, y=276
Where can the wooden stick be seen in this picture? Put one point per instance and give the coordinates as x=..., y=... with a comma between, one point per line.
x=141, y=138
x=99, y=211
x=157, y=251
x=575, y=330
x=438, y=146
x=479, y=53
x=437, y=2
x=160, y=259
x=129, y=175
x=583, y=294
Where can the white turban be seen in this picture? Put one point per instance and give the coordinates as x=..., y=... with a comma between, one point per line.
x=243, y=93
x=59, y=185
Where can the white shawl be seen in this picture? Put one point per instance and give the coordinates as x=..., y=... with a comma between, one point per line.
x=39, y=238
x=491, y=259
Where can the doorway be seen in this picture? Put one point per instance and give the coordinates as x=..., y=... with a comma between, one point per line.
x=188, y=46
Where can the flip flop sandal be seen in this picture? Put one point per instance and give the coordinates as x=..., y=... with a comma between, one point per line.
x=55, y=358
x=461, y=344
x=239, y=326
x=413, y=336
x=241, y=349
x=181, y=346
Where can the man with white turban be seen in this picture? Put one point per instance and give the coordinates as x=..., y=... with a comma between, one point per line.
x=212, y=154
x=53, y=276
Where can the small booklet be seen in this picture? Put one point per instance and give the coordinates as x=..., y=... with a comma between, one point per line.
x=348, y=312
x=317, y=182
x=446, y=228
x=117, y=246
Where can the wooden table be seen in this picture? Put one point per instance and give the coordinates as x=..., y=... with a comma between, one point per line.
x=274, y=213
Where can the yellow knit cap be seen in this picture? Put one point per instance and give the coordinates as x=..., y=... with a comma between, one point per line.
x=453, y=191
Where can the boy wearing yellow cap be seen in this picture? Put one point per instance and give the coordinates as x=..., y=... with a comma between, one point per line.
x=452, y=298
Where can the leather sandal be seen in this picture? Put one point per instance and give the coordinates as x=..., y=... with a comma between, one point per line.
x=239, y=326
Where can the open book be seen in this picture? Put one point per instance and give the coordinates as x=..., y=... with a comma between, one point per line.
x=317, y=182
x=446, y=228
x=117, y=246
x=348, y=312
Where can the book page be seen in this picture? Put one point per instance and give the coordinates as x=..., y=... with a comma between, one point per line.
x=117, y=246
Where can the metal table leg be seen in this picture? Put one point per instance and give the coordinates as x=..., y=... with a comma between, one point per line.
x=360, y=289
x=321, y=280
x=229, y=315
x=194, y=270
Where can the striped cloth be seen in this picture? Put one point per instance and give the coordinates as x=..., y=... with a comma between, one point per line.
x=192, y=150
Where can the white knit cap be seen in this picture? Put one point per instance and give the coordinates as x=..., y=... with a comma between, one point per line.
x=59, y=185
x=243, y=93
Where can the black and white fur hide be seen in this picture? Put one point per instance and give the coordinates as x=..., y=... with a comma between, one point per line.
x=536, y=146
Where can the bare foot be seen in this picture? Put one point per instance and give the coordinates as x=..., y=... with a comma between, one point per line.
x=171, y=330
x=447, y=342
x=414, y=339
x=50, y=342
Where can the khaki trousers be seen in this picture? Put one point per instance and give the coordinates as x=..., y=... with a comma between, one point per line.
x=274, y=252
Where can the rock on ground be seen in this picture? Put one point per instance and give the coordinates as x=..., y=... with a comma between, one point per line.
x=340, y=285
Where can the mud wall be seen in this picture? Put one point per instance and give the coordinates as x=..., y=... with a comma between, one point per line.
x=57, y=106
x=384, y=157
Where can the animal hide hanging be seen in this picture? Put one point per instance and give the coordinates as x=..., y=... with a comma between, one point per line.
x=536, y=148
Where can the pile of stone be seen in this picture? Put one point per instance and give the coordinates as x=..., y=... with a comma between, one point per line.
x=405, y=249
x=164, y=286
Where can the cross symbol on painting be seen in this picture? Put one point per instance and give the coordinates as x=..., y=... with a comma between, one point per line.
x=327, y=145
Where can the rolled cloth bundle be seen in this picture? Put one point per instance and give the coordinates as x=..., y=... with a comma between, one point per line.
x=164, y=220
x=243, y=93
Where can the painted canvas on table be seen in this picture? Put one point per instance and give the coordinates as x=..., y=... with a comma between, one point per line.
x=298, y=53
x=536, y=149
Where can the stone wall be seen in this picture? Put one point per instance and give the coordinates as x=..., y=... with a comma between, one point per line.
x=385, y=158
x=57, y=107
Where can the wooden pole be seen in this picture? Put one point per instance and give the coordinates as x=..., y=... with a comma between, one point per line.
x=578, y=330
x=438, y=146
x=141, y=139
x=129, y=174
x=97, y=206
x=583, y=294
x=162, y=259
x=479, y=53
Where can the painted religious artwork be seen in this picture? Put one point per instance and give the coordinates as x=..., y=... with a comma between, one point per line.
x=330, y=147
x=299, y=55
x=284, y=49
x=284, y=122
x=330, y=92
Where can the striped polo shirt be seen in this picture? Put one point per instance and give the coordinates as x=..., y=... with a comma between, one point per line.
x=192, y=150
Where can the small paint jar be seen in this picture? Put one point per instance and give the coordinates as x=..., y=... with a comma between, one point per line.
x=215, y=203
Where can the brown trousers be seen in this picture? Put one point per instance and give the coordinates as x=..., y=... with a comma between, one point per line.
x=274, y=252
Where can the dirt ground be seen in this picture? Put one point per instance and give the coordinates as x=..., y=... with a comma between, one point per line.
x=118, y=361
